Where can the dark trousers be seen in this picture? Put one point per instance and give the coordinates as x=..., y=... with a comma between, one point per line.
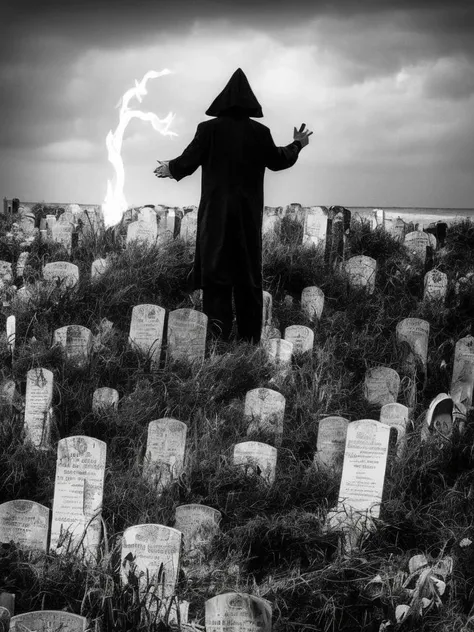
x=217, y=305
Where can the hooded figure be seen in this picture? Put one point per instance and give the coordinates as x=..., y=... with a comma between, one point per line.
x=233, y=151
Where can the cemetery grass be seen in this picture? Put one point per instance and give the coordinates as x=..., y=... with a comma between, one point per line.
x=272, y=542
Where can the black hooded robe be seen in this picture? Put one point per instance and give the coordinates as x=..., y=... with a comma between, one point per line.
x=233, y=151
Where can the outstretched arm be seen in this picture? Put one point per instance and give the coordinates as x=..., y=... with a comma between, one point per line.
x=278, y=158
x=191, y=158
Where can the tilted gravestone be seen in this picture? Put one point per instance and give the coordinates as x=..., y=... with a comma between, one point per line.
x=361, y=272
x=462, y=382
x=315, y=226
x=187, y=330
x=435, y=286
x=331, y=441
x=362, y=480
x=165, y=451
x=238, y=612
x=265, y=409
x=152, y=551
x=78, y=494
x=312, y=302
x=39, y=397
x=104, y=398
x=146, y=330
x=61, y=272
x=24, y=522
x=396, y=416
x=439, y=418
x=258, y=458
x=48, y=621
x=415, y=333
x=416, y=244
x=301, y=337
x=198, y=524
x=381, y=385
x=76, y=342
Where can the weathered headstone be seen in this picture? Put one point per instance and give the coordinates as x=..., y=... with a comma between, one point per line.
x=67, y=274
x=76, y=342
x=381, y=385
x=271, y=216
x=331, y=441
x=48, y=621
x=399, y=229
x=61, y=233
x=301, y=337
x=462, y=382
x=8, y=392
x=396, y=416
x=416, y=244
x=24, y=522
x=435, y=286
x=78, y=493
x=166, y=222
x=6, y=273
x=433, y=241
x=104, y=398
x=439, y=417
x=415, y=332
x=238, y=612
x=267, y=309
x=144, y=232
x=146, y=330
x=378, y=218
x=279, y=352
x=198, y=524
x=361, y=272
x=187, y=330
x=98, y=267
x=21, y=263
x=11, y=332
x=152, y=551
x=165, y=451
x=312, y=302
x=269, y=332
x=39, y=397
x=258, y=458
x=188, y=229
x=50, y=222
x=315, y=226
x=265, y=409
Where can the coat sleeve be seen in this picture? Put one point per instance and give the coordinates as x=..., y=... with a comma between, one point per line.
x=278, y=158
x=191, y=158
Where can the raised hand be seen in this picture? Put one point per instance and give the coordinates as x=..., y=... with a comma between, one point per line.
x=302, y=135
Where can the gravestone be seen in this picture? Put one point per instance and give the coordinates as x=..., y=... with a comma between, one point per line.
x=166, y=222
x=270, y=218
x=267, y=309
x=399, y=229
x=396, y=416
x=98, y=267
x=439, y=417
x=331, y=441
x=279, y=353
x=143, y=232
x=301, y=337
x=269, y=332
x=165, y=451
x=315, y=226
x=21, y=263
x=24, y=522
x=188, y=229
x=78, y=493
x=153, y=552
x=48, y=621
x=312, y=302
x=435, y=286
x=258, y=458
x=198, y=524
x=11, y=332
x=462, y=382
x=339, y=223
x=363, y=471
x=361, y=272
x=416, y=244
x=76, y=342
x=92, y=221
x=415, y=332
x=265, y=409
x=381, y=386
x=187, y=330
x=62, y=272
x=61, y=233
x=378, y=218
x=38, y=400
x=146, y=330
x=104, y=398
x=8, y=392
x=6, y=273
x=433, y=242
x=238, y=612
x=50, y=222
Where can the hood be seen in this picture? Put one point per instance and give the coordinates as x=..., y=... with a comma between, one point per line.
x=236, y=98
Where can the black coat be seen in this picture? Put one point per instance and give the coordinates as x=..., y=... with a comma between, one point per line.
x=233, y=151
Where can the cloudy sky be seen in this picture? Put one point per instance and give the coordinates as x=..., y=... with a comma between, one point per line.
x=386, y=86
